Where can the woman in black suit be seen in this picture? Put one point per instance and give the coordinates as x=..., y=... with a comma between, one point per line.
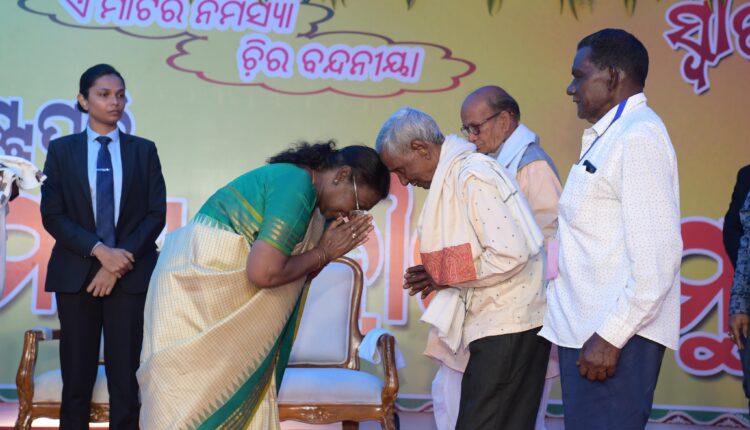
x=104, y=202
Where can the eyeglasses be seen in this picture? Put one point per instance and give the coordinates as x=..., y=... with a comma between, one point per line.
x=475, y=129
x=357, y=211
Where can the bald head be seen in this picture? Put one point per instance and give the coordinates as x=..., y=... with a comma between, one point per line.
x=496, y=98
x=489, y=116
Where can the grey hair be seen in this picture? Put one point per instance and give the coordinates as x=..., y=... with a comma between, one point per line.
x=404, y=126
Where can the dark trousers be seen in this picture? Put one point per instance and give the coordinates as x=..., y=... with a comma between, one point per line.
x=503, y=383
x=622, y=402
x=745, y=360
x=82, y=318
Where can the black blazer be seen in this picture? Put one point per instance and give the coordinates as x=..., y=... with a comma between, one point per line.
x=732, y=226
x=68, y=215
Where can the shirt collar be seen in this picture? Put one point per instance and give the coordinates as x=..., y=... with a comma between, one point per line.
x=92, y=135
x=634, y=102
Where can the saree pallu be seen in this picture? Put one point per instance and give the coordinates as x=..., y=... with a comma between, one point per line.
x=214, y=344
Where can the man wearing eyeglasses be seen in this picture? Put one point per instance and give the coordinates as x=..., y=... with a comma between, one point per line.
x=491, y=120
x=481, y=248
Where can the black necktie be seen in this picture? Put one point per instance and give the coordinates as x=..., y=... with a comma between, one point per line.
x=105, y=194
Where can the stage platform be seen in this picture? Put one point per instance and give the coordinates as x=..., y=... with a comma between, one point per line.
x=409, y=421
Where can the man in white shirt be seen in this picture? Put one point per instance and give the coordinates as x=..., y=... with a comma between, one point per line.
x=491, y=120
x=482, y=248
x=615, y=304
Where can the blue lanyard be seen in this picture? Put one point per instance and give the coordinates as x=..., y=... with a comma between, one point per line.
x=620, y=108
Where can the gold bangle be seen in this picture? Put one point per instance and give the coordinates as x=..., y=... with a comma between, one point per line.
x=325, y=256
x=320, y=259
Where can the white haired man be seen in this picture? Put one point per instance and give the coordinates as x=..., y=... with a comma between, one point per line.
x=482, y=250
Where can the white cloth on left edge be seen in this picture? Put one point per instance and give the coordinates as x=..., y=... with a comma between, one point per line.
x=368, y=349
x=20, y=171
x=26, y=176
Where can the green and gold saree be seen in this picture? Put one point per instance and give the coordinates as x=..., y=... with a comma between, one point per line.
x=215, y=346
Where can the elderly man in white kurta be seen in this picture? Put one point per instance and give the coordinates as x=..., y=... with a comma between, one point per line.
x=482, y=248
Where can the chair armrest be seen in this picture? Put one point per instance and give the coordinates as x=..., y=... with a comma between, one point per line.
x=46, y=333
x=27, y=365
x=387, y=346
x=25, y=374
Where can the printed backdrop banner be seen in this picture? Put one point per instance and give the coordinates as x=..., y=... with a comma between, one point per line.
x=222, y=85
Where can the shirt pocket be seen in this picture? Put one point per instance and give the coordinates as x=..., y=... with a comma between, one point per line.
x=581, y=187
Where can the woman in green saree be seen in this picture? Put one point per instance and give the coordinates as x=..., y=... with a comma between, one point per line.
x=226, y=294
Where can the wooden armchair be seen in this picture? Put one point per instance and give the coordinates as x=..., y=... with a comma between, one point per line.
x=323, y=383
x=40, y=396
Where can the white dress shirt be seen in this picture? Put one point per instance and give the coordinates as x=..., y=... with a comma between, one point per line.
x=114, y=152
x=619, y=232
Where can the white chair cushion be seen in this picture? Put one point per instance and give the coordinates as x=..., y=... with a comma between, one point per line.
x=323, y=334
x=305, y=386
x=48, y=387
